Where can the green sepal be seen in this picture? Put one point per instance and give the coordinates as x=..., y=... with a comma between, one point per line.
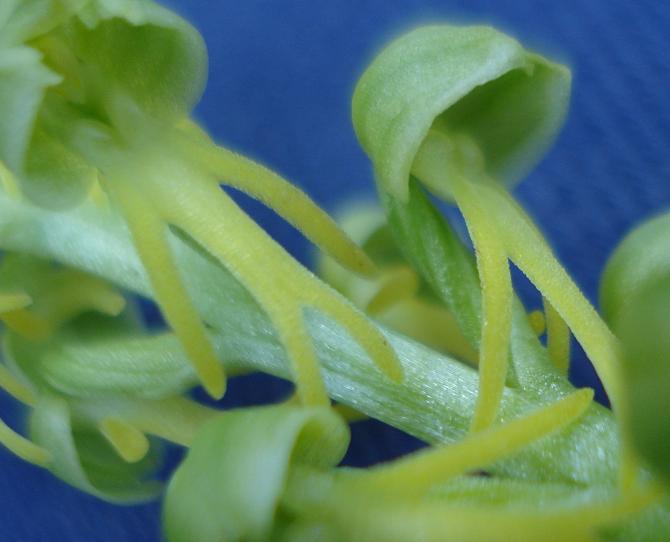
x=82, y=458
x=635, y=299
x=470, y=81
x=230, y=484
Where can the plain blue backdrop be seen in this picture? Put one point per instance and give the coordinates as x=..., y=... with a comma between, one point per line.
x=281, y=78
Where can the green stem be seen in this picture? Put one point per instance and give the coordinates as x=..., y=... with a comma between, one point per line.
x=434, y=403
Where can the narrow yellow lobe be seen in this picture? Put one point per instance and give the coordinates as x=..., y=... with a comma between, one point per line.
x=281, y=286
x=8, y=182
x=288, y=201
x=22, y=447
x=537, y=322
x=349, y=414
x=74, y=293
x=15, y=387
x=150, y=236
x=496, y=284
x=128, y=441
x=11, y=301
x=97, y=194
x=415, y=474
x=558, y=338
x=442, y=166
x=27, y=324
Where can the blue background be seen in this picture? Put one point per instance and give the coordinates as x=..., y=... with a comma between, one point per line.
x=281, y=79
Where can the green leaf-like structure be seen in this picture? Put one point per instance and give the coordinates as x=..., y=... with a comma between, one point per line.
x=96, y=100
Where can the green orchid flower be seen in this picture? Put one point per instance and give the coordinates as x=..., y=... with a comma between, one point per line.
x=468, y=111
x=97, y=444
x=97, y=97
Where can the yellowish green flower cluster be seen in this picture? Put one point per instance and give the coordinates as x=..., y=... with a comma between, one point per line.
x=109, y=189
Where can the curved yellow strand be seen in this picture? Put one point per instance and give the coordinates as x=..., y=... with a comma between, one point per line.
x=128, y=441
x=281, y=286
x=558, y=338
x=530, y=253
x=283, y=197
x=22, y=447
x=496, y=285
x=415, y=474
x=150, y=236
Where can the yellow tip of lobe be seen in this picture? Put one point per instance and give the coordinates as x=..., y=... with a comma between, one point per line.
x=212, y=378
x=394, y=370
x=128, y=441
x=537, y=322
x=26, y=323
x=362, y=264
x=14, y=301
x=110, y=303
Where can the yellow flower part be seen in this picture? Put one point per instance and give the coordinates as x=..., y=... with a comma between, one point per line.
x=417, y=473
x=175, y=183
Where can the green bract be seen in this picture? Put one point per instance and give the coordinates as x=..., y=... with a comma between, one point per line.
x=467, y=81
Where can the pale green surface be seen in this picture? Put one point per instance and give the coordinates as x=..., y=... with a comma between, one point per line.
x=474, y=81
